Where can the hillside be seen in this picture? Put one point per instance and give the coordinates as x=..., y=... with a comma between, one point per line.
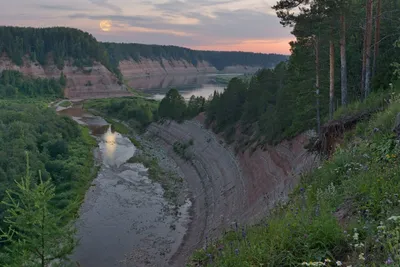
x=139, y=59
x=95, y=69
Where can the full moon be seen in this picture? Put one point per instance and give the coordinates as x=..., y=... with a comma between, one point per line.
x=105, y=25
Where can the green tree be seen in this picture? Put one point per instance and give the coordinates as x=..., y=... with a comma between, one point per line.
x=172, y=106
x=63, y=79
x=36, y=235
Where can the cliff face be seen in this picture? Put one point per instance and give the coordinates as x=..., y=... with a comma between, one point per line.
x=131, y=69
x=97, y=81
x=228, y=187
x=91, y=82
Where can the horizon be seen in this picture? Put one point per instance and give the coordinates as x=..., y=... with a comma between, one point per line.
x=209, y=25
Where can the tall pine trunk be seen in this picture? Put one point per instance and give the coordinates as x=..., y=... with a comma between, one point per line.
x=368, y=33
x=317, y=84
x=331, y=76
x=343, y=62
x=377, y=36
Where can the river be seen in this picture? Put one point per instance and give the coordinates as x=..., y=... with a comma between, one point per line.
x=124, y=219
x=188, y=85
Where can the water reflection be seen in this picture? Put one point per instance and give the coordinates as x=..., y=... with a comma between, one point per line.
x=110, y=145
x=204, y=90
x=115, y=148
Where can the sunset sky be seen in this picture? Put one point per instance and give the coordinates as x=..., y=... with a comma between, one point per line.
x=239, y=25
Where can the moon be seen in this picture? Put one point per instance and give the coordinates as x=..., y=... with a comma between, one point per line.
x=105, y=25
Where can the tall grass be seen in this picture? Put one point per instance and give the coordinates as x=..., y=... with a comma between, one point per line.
x=344, y=213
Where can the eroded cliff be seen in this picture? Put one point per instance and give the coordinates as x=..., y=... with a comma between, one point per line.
x=145, y=67
x=228, y=187
x=90, y=82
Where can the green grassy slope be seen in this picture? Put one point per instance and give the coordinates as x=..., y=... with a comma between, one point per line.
x=345, y=213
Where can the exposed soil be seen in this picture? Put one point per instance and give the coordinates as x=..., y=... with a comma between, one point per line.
x=227, y=188
x=91, y=82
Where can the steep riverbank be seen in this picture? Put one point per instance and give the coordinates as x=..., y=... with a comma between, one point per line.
x=227, y=188
x=224, y=188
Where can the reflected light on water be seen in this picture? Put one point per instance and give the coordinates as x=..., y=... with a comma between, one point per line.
x=110, y=143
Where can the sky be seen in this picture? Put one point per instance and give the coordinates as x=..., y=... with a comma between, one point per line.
x=224, y=25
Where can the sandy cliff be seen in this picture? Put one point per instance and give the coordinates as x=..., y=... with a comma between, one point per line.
x=93, y=82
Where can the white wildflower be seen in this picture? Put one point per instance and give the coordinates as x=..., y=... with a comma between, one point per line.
x=394, y=218
x=361, y=257
x=338, y=263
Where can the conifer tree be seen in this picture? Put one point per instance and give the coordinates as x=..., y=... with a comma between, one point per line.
x=36, y=234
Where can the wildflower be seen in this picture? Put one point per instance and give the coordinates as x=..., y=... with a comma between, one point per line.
x=355, y=236
x=237, y=251
x=243, y=233
x=327, y=260
x=210, y=257
x=361, y=257
x=389, y=261
x=338, y=263
x=394, y=218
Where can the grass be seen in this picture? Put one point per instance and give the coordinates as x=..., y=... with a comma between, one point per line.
x=82, y=157
x=181, y=149
x=65, y=104
x=136, y=112
x=344, y=212
x=118, y=126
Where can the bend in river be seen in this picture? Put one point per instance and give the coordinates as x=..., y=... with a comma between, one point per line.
x=124, y=220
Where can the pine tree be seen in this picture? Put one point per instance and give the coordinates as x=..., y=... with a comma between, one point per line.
x=36, y=235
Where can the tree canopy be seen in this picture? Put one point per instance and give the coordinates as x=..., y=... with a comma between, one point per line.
x=218, y=59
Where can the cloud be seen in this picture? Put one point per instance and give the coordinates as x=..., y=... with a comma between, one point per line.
x=106, y=4
x=226, y=24
x=239, y=24
x=60, y=7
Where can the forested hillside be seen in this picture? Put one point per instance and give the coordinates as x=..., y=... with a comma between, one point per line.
x=343, y=71
x=219, y=60
x=57, y=44
x=333, y=63
x=13, y=84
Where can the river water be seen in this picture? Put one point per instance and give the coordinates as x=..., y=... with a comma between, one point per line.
x=124, y=220
x=188, y=85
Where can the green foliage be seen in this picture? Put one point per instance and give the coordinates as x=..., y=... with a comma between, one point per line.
x=172, y=106
x=220, y=60
x=344, y=212
x=182, y=149
x=135, y=111
x=58, y=147
x=261, y=102
x=65, y=104
x=36, y=234
x=59, y=42
x=13, y=85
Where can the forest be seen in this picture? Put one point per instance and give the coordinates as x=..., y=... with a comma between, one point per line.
x=335, y=65
x=46, y=165
x=57, y=44
x=219, y=60
x=344, y=67
x=14, y=85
